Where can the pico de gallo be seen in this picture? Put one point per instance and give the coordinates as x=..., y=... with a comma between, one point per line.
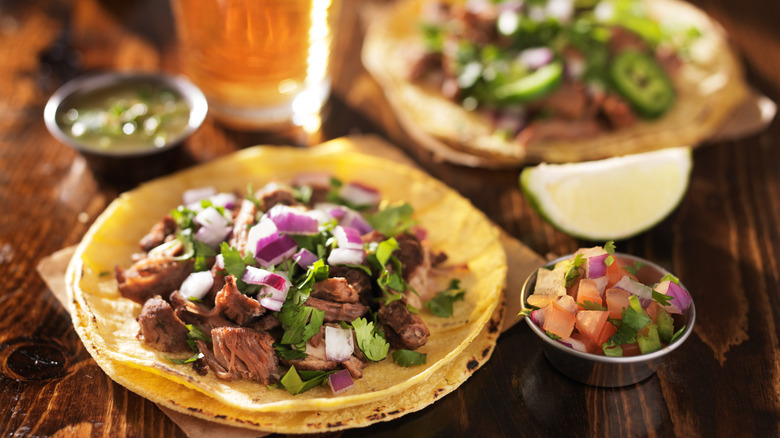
x=594, y=303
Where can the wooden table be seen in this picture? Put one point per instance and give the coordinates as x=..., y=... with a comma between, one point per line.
x=724, y=241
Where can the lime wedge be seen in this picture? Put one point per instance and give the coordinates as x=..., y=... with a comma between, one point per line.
x=609, y=199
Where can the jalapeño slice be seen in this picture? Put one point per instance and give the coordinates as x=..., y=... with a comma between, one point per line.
x=642, y=82
x=534, y=86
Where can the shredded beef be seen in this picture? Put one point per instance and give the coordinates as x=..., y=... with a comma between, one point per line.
x=355, y=366
x=617, y=111
x=410, y=254
x=161, y=328
x=338, y=311
x=241, y=225
x=277, y=195
x=197, y=314
x=335, y=289
x=160, y=233
x=403, y=329
x=266, y=323
x=311, y=363
x=357, y=278
x=150, y=276
x=235, y=305
x=243, y=352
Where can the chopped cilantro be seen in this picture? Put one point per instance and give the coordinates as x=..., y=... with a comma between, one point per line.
x=299, y=322
x=184, y=217
x=677, y=334
x=318, y=271
x=393, y=219
x=370, y=339
x=235, y=265
x=190, y=359
x=296, y=383
x=624, y=335
x=591, y=305
x=552, y=335
x=441, y=304
x=662, y=299
x=609, y=247
x=302, y=194
x=203, y=253
x=288, y=353
x=633, y=269
x=634, y=316
x=385, y=250
x=408, y=358
x=575, y=269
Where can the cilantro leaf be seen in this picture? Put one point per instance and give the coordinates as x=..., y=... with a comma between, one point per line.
x=609, y=247
x=190, y=359
x=296, y=383
x=633, y=269
x=385, y=250
x=235, y=265
x=300, y=323
x=591, y=305
x=408, y=358
x=634, y=316
x=624, y=335
x=441, y=304
x=202, y=254
x=318, y=271
x=575, y=269
x=677, y=334
x=370, y=339
x=552, y=335
x=393, y=219
x=662, y=299
x=288, y=353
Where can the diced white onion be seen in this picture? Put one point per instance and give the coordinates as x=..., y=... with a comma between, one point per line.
x=192, y=196
x=359, y=195
x=348, y=237
x=338, y=343
x=197, y=285
x=346, y=256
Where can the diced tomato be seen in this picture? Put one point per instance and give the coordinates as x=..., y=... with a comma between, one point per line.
x=588, y=291
x=652, y=310
x=591, y=322
x=606, y=332
x=591, y=346
x=615, y=272
x=617, y=300
x=558, y=321
x=572, y=290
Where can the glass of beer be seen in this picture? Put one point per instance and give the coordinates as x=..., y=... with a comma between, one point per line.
x=262, y=64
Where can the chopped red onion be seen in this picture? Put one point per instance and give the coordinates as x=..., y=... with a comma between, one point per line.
x=681, y=299
x=266, y=227
x=536, y=57
x=644, y=292
x=262, y=277
x=340, y=381
x=348, y=237
x=227, y=200
x=537, y=316
x=273, y=249
x=192, y=196
x=271, y=304
x=346, y=256
x=197, y=285
x=595, y=266
x=338, y=344
x=359, y=194
x=575, y=344
x=355, y=220
x=305, y=258
x=289, y=220
x=214, y=227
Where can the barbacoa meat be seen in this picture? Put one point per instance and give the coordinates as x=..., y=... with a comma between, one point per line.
x=197, y=314
x=161, y=328
x=402, y=328
x=338, y=311
x=157, y=275
x=235, y=305
x=240, y=352
x=160, y=233
x=244, y=220
x=357, y=278
x=335, y=289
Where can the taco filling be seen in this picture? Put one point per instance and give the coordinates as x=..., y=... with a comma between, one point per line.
x=292, y=285
x=551, y=70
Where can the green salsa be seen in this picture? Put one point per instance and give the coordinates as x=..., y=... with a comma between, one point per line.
x=130, y=117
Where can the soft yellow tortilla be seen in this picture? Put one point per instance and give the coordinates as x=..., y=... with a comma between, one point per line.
x=106, y=321
x=709, y=89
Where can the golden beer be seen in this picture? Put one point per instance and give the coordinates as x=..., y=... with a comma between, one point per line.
x=260, y=63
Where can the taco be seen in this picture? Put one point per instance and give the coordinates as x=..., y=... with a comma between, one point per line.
x=502, y=83
x=121, y=326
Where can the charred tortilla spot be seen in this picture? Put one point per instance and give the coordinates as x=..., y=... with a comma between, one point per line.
x=486, y=352
x=376, y=417
x=395, y=412
x=472, y=365
x=336, y=424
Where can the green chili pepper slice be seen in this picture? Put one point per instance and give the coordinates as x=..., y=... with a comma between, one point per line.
x=532, y=87
x=639, y=79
